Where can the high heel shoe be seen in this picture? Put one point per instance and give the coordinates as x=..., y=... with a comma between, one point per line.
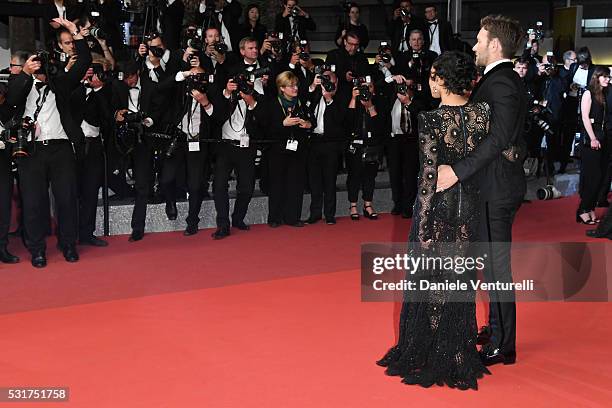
x=580, y=220
x=371, y=216
x=354, y=217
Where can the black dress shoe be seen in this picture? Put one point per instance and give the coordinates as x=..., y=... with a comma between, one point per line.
x=39, y=260
x=136, y=236
x=397, y=210
x=330, y=220
x=190, y=230
x=490, y=356
x=93, y=241
x=70, y=253
x=407, y=214
x=241, y=226
x=7, y=257
x=484, y=335
x=298, y=224
x=171, y=210
x=274, y=224
x=221, y=233
x=313, y=220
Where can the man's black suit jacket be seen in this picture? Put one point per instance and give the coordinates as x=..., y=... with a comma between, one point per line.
x=499, y=178
x=283, y=25
x=334, y=115
x=62, y=86
x=445, y=34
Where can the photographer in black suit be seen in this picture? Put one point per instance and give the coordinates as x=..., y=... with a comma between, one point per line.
x=402, y=24
x=239, y=106
x=225, y=16
x=6, y=181
x=159, y=62
x=439, y=32
x=329, y=114
x=497, y=164
x=401, y=146
x=91, y=107
x=137, y=106
x=293, y=22
x=349, y=63
x=53, y=141
x=416, y=64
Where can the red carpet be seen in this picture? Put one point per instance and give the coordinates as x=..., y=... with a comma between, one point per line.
x=268, y=318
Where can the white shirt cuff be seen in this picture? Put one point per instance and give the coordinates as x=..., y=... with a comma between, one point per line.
x=209, y=110
x=179, y=77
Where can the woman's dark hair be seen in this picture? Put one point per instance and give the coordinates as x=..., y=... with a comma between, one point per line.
x=583, y=56
x=457, y=70
x=596, y=89
x=248, y=9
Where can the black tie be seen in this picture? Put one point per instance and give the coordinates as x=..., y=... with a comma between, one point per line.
x=250, y=67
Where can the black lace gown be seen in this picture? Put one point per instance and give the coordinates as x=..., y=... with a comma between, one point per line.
x=437, y=336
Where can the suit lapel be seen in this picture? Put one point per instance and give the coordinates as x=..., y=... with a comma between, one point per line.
x=478, y=87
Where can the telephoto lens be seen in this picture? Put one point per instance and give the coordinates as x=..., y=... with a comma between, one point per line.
x=548, y=192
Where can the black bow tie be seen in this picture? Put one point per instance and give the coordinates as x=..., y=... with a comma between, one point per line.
x=40, y=85
x=135, y=87
x=250, y=66
x=431, y=23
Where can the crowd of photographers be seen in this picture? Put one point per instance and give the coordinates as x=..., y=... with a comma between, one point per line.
x=220, y=97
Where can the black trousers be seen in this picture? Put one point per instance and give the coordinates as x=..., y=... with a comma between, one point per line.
x=322, y=172
x=6, y=192
x=593, y=170
x=53, y=164
x=360, y=176
x=196, y=175
x=242, y=161
x=287, y=175
x=403, y=162
x=91, y=178
x=495, y=227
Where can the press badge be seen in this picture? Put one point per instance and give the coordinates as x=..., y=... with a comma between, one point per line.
x=244, y=141
x=194, y=146
x=292, y=145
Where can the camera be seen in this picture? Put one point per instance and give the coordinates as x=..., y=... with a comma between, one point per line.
x=303, y=55
x=548, y=192
x=16, y=134
x=320, y=69
x=384, y=51
x=98, y=70
x=245, y=80
x=404, y=12
x=46, y=64
x=327, y=83
x=361, y=84
x=156, y=51
x=196, y=43
x=538, y=31
x=295, y=12
x=198, y=82
x=134, y=117
x=220, y=47
x=97, y=33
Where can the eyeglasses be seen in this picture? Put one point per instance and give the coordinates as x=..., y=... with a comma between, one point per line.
x=291, y=86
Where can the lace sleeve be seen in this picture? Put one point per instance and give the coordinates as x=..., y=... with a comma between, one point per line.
x=428, y=175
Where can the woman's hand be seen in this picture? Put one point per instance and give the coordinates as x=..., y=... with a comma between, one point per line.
x=595, y=145
x=291, y=121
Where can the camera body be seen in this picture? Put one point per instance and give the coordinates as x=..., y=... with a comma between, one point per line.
x=538, y=31
x=131, y=118
x=295, y=12
x=246, y=79
x=220, y=47
x=98, y=70
x=16, y=135
x=320, y=69
x=303, y=54
x=327, y=83
x=384, y=51
x=46, y=63
x=198, y=82
x=362, y=84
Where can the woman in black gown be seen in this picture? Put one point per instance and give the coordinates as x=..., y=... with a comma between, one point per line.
x=437, y=336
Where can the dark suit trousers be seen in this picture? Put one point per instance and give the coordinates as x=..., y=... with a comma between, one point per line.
x=143, y=175
x=403, y=162
x=91, y=178
x=322, y=171
x=360, y=176
x=287, y=178
x=496, y=227
x=593, y=170
x=242, y=161
x=172, y=170
x=53, y=164
x=196, y=170
x=6, y=193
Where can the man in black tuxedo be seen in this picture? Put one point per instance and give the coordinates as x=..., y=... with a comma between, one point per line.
x=138, y=93
x=322, y=163
x=45, y=99
x=349, y=63
x=439, y=32
x=6, y=182
x=225, y=17
x=170, y=22
x=415, y=64
x=497, y=165
x=403, y=23
x=293, y=22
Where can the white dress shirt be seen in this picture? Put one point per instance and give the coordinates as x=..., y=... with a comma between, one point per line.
x=88, y=129
x=434, y=36
x=48, y=123
x=581, y=76
x=320, y=115
x=134, y=98
x=192, y=119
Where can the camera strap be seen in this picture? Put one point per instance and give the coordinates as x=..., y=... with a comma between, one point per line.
x=39, y=104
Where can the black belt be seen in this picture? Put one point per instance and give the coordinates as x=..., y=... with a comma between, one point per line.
x=232, y=142
x=52, y=142
x=96, y=139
